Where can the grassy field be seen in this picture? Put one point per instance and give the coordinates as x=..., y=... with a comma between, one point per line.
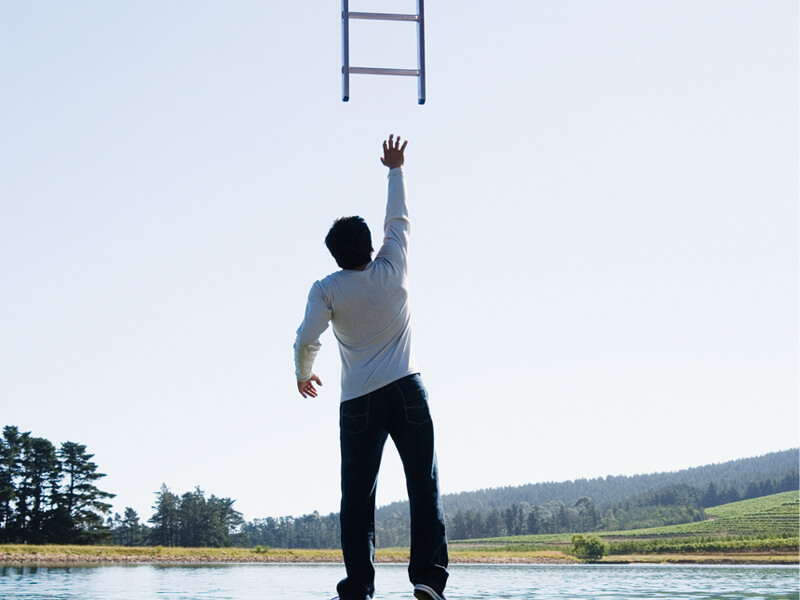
x=762, y=530
x=18, y=553
x=53, y=554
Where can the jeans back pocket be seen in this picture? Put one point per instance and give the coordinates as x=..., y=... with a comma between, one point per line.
x=354, y=415
x=415, y=399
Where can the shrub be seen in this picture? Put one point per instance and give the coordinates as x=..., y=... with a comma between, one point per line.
x=588, y=547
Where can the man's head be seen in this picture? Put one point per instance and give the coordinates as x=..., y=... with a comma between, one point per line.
x=350, y=242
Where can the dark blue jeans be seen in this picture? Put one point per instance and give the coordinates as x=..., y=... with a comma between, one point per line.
x=400, y=410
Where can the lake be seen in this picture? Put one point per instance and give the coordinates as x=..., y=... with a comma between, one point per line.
x=318, y=581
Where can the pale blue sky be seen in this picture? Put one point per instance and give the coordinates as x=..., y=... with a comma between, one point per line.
x=604, y=262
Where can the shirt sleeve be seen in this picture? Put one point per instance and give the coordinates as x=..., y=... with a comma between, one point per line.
x=306, y=344
x=397, y=225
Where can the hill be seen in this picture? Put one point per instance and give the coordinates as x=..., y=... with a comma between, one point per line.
x=601, y=504
x=611, y=502
x=767, y=525
x=777, y=515
x=735, y=475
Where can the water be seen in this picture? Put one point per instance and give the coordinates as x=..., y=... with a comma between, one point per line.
x=317, y=582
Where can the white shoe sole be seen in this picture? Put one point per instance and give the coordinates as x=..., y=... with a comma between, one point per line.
x=424, y=592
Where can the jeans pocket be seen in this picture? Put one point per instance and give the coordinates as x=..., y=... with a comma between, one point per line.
x=354, y=415
x=416, y=404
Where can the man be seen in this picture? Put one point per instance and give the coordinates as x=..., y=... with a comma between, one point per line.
x=382, y=393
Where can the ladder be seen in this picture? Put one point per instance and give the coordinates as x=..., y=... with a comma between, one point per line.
x=419, y=72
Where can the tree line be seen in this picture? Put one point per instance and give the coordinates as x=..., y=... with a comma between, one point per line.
x=48, y=494
x=307, y=531
x=189, y=520
x=669, y=505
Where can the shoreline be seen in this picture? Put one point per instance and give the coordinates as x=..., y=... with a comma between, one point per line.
x=27, y=556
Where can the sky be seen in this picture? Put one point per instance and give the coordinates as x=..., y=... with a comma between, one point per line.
x=604, y=253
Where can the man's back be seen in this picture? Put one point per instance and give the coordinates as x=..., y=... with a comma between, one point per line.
x=368, y=308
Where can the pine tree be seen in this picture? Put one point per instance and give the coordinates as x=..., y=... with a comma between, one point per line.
x=459, y=527
x=128, y=531
x=165, y=518
x=230, y=520
x=563, y=520
x=588, y=517
x=494, y=524
x=533, y=524
x=37, y=491
x=81, y=501
x=10, y=472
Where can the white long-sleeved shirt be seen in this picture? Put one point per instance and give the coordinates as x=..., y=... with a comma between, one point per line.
x=369, y=310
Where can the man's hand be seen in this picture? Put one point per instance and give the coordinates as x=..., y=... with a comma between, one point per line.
x=306, y=388
x=393, y=152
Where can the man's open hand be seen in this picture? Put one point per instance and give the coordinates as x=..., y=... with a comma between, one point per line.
x=393, y=152
x=306, y=388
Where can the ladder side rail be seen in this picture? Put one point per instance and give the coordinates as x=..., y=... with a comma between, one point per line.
x=421, y=50
x=345, y=51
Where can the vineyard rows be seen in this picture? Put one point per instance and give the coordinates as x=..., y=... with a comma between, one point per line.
x=770, y=523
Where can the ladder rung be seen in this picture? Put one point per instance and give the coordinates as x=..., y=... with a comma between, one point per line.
x=380, y=71
x=382, y=16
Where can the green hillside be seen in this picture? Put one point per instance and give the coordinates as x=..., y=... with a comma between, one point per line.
x=766, y=524
x=607, y=503
x=770, y=516
x=778, y=512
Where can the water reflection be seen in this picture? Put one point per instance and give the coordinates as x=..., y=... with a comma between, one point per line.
x=476, y=582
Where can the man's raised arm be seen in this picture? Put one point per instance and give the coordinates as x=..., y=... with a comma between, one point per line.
x=397, y=225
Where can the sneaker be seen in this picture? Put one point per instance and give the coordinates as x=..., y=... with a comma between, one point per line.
x=424, y=592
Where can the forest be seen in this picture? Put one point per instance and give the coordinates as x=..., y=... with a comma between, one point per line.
x=49, y=494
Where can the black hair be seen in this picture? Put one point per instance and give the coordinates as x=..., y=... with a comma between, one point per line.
x=350, y=242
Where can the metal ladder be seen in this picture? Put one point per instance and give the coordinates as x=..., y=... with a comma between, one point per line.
x=419, y=72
